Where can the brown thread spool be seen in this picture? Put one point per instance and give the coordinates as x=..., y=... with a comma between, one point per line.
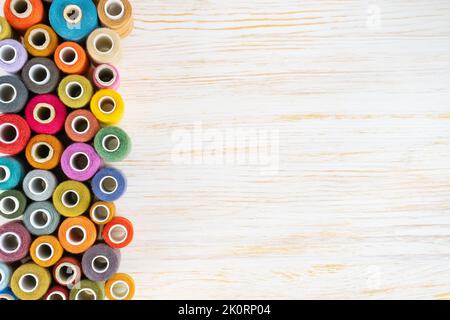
x=116, y=15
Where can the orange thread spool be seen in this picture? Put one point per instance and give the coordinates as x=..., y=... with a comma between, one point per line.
x=22, y=14
x=44, y=152
x=71, y=58
x=77, y=235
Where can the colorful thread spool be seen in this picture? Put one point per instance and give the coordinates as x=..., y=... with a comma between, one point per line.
x=40, y=75
x=106, y=76
x=116, y=15
x=41, y=218
x=71, y=58
x=13, y=94
x=57, y=293
x=73, y=20
x=88, y=290
x=71, y=198
x=81, y=126
x=100, y=262
x=40, y=40
x=107, y=106
x=75, y=91
x=5, y=29
x=13, y=55
x=14, y=134
x=44, y=152
x=45, y=251
x=102, y=212
x=7, y=294
x=38, y=185
x=5, y=276
x=22, y=14
x=77, y=235
x=45, y=114
x=118, y=233
x=80, y=162
x=109, y=184
x=11, y=173
x=103, y=46
x=12, y=204
x=14, y=242
x=120, y=287
x=30, y=281
x=112, y=144
x=67, y=272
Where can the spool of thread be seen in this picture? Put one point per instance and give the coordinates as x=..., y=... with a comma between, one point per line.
x=80, y=162
x=22, y=14
x=109, y=184
x=57, y=293
x=38, y=185
x=40, y=75
x=67, y=272
x=120, y=287
x=44, y=152
x=116, y=15
x=30, y=281
x=100, y=262
x=12, y=204
x=103, y=46
x=75, y=91
x=81, y=126
x=45, y=114
x=40, y=40
x=13, y=94
x=41, y=218
x=77, y=235
x=118, y=233
x=102, y=212
x=88, y=290
x=11, y=173
x=5, y=276
x=107, y=106
x=73, y=20
x=14, y=242
x=13, y=55
x=14, y=134
x=5, y=29
x=71, y=198
x=106, y=76
x=46, y=251
x=71, y=58
x=112, y=144
x=7, y=294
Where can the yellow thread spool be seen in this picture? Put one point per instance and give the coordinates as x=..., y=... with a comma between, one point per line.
x=107, y=106
x=71, y=198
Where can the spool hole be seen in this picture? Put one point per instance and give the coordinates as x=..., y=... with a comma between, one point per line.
x=86, y=294
x=8, y=54
x=107, y=105
x=44, y=113
x=72, y=14
x=108, y=184
x=39, y=74
x=56, y=296
x=120, y=290
x=114, y=9
x=74, y=90
x=104, y=43
x=100, y=213
x=68, y=55
x=111, y=143
x=39, y=38
x=76, y=235
x=70, y=199
x=37, y=185
x=40, y=219
x=42, y=152
x=28, y=282
x=4, y=173
x=20, y=7
x=80, y=125
x=8, y=93
x=44, y=251
x=9, y=242
x=66, y=273
x=100, y=264
x=9, y=205
x=118, y=233
x=106, y=76
x=79, y=161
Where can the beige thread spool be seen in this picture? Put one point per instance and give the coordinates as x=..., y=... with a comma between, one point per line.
x=103, y=46
x=116, y=15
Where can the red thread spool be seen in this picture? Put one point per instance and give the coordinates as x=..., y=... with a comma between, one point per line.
x=14, y=134
x=22, y=14
x=118, y=233
x=57, y=293
x=45, y=114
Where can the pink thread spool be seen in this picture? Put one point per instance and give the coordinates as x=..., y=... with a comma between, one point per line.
x=80, y=162
x=45, y=114
x=106, y=76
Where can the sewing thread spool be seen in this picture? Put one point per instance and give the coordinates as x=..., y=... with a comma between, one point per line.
x=102, y=212
x=5, y=276
x=77, y=234
x=45, y=114
x=118, y=233
x=40, y=40
x=88, y=290
x=41, y=218
x=100, y=262
x=80, y=162
x=44, y=152
x=12, y=204
x=116, y=15
x=75, y=91
x=73, y=20
x=109, y=184
x=67, y=272
x=45, y=251
x=71, y=58
x=30, y=281
x=57, y=293
x=103, y=46
x=7, y=294
x=5, y=29
x=11, y=173
x=81, y=126
x=13, y=55
x=40, y=75
x=112, y=144
x=71, y=198
x=13, y=94
x=14, y=134
x=120, y=287
x=22, y=14
x=106, y=76
x=38, y=185
x=14, y=242
x=107, y=106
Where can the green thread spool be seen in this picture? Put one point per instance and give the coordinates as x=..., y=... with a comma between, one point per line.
x=112, y=144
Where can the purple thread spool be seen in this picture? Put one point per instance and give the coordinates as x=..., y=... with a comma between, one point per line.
x=13, y=55
x=80, y=162
x=14, y=242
